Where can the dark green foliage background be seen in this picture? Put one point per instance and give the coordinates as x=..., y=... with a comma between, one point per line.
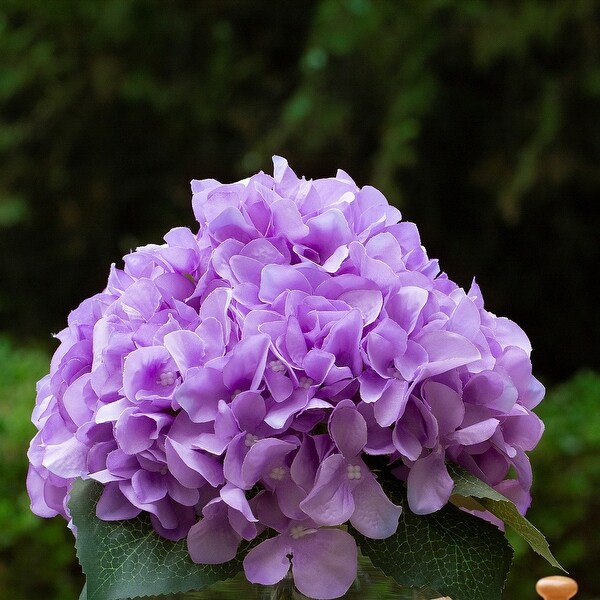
x=480, y=119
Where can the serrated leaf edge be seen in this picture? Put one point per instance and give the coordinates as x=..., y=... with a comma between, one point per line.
x=100, y=594
x=489, y=503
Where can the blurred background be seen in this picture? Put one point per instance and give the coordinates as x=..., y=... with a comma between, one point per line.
x=479, y=119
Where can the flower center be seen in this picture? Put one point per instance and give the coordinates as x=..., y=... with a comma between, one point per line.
x=250, y=440
x=393, y=372
x=236, y=393
x=277, y=366
x=166, y=378
x=305, y=382
x=353, y=472
x=299, y=531
x=278, y=473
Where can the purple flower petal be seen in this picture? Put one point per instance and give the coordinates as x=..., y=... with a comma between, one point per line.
x=199, y=395
x=522, y=429
x=348, y=429
x=446, y=406
x=474, y=434
x=380, y=352
x=390, y=406
x=75, y=408
x=236, y=498
x=276, y=279
x=287, y=220
x=67, y=460
x=141, y=300
x=121, y=464
x=249, y=410
x=375, y=515
x=306, y=462
x=317, y=364
x=114, y=506
x=246, y=366
x=324, y=563
x=368, y=302
x=149, y=372
x=269, y=512
x=330, y=501
x=492, y=390
x=295, y=343
x=429, y=485
x=263, y=456
x=212, y=540
x=186, y=348
x=234, y=458
x=268, y=563
x=446, y=350
x=280, y=413
x=406, y=305
x=173, y=286
x=191, y=467
x=180, y=493
x=372, y=385
x=344, y=341
x=215, y=306
x=328, y=231
x=280, y=385
x=136, y=431
x=289, y=496
x=149, y=487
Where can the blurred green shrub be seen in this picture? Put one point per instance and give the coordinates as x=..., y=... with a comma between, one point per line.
x=37, y=559
x=566, y=485
x=19, y=369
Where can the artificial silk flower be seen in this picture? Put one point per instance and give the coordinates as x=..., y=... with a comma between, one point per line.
x=263, y=359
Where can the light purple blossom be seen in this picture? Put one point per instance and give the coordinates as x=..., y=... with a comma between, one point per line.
x=323, y=561
x=239, y=377
x=344, y=488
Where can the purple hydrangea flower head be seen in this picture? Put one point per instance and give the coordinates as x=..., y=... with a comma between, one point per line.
x=239, y=377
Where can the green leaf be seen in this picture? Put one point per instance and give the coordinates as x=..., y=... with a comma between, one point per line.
x=449, y=551
x=467, y=487
x=83, y=595
x=127, y=559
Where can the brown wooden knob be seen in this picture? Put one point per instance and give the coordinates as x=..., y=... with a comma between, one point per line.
x=556, y=587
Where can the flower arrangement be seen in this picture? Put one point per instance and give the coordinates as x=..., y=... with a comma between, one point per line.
x=293, y=379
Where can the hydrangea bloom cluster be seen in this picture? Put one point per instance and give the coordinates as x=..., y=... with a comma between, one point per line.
x=235, y=379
